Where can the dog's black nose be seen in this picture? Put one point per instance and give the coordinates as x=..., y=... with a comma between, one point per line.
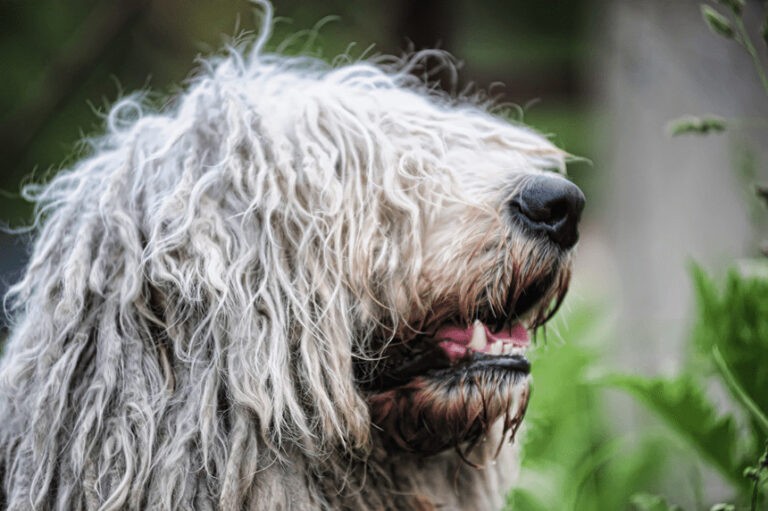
x=550, y=205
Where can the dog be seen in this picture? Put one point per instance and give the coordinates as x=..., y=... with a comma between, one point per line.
x=296, y=286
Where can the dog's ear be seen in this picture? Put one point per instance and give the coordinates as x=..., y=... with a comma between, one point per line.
x=82, y=387
x=249, y=249
x=181, y=292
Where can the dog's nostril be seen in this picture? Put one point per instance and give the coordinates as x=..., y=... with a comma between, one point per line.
x=550, y=205
x=548, y=213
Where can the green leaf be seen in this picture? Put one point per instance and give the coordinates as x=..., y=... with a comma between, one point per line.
x=732, y=321
x=691, y=125
x=632, y=467
x=764, y=31
x=682, y=404
x=737, y=6
x=648, y=502
x=723, y=507
x=737, y=391
x=716, y=22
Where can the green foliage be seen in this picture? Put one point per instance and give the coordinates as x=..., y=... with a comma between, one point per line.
x=648, y=502
x=764, y=31
x=731, y=339
x=730, y=336
x=736, y=6
x=716, y=22
x=758, y=476
x=733, y=324
x=572, y=460
x=683, y=404
x=732, y=26
x=690, y=125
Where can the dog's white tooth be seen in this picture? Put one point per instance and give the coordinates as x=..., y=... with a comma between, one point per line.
x=507, y=349
x=495, y=348
x=478, y=341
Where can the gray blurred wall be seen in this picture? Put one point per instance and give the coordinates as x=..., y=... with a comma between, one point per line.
x=670, y=201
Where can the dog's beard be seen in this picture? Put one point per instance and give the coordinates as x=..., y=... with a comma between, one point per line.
x=454, y=409
x=436, y=390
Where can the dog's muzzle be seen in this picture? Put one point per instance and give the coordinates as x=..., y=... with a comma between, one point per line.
x=552, y=206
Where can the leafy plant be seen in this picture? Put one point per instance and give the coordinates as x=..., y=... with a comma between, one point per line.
x=730, y=336
x=731, y=26
x=572, y=458
x=648, y=502
x=731, y=341
x=733, y=328
x=682, y=403
x=728, y=24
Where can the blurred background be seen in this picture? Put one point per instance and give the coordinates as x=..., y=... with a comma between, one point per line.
x=604, y=79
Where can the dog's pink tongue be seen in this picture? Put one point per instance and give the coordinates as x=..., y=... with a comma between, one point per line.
x=455, y=334
x=517, y=335
x=456, y=341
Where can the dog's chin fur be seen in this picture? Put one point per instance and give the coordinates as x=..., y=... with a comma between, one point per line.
x=206, y=282
x=429, y=415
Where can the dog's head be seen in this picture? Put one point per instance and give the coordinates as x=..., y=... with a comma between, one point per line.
x=329, y=255
x=379, y=253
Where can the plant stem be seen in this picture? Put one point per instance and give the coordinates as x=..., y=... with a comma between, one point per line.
x=761, y=465
x=746, y=41
x=739, y=392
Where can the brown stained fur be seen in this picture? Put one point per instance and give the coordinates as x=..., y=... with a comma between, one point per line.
x=429, y=415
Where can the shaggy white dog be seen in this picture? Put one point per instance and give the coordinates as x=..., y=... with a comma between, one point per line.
x=296, y=287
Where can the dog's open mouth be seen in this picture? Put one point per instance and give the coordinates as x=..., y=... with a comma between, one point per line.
x=488, y=343
x=457, y=349
x=446, y=386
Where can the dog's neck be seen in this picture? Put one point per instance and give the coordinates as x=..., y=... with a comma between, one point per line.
x=386, y=480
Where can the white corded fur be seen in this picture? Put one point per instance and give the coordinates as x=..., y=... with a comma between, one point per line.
x=201, y=283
